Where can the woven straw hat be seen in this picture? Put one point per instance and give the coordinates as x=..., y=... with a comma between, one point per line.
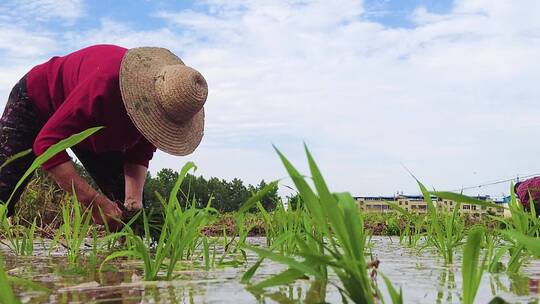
x=164, y=98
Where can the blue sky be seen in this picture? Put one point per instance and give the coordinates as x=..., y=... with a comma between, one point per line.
x=446, y=88
x=397, y=13
x=138, y=13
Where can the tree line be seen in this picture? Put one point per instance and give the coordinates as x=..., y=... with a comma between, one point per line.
x=226, y=196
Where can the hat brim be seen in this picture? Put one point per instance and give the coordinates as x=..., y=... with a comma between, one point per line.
x=138, y=72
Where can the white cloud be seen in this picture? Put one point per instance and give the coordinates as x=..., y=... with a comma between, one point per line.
x=24, y=40
x=418, y=95
x=454, y=95
x=118, y=33
x=44, y=10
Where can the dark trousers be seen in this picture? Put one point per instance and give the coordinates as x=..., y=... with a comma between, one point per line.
x=18, y=131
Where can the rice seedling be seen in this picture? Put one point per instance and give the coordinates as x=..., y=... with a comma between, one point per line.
x=337, y=239
x=6, y=293
x=93, y=257
x=414, y=225
x=445, y=230
x=531, y=243
x=523, y=222
x=75, y=228
x=284, y=221
x=395, y=297
x=3, y=214
x=235, y=245
x=495, y=251
x=178, y=238
x=208, y=263
x=242, y=230
x=20, y=239
x=472, y=268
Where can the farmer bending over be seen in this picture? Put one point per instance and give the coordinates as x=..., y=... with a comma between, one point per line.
x=144, y=97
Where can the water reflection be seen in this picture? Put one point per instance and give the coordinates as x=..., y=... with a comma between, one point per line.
x=534, y=287
x=424, y=278
x=447, y=285
x=316, y=293
x=497, y=287
x=129, y=293
x=514, y=283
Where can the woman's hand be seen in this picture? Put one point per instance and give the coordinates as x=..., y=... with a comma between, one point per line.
x=110, y=213
x=67, y=177
x=133, y=204
x=135, y=176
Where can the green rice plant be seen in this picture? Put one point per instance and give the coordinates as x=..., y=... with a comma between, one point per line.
x=445, y=230
x=20, y=238
x=472, y=268
x=525, y=223
x=392, y=223
x=92, y=260
x=495, y=251
x=28, y=239
x=233, y=251
x=4, y=222
x=414, y=225
x=206, y=253
x=521, y=220
x=74, y=229
x=396, y=297
x=237, y=241
x=516, y=253
x=5, y=225
x=337, y=239
x=242, y=230
x=283, y=221
x=24, y=240
x=3, y=215
x=15, y=157
x=269, y=229
x=531, y=243
x=6, y=293
x=178, y=239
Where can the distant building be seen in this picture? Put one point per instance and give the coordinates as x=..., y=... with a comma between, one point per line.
x=474, y=209
x=416, y=204
x=375, y=203
x=412, y=203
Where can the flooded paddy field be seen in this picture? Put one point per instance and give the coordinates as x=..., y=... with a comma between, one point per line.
x=319, y=251
x=423, y=277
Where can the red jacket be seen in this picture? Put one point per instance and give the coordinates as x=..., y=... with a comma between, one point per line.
x=81, y=90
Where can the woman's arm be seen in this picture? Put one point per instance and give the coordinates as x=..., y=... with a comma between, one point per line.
x=135, y=176
x=67, y=177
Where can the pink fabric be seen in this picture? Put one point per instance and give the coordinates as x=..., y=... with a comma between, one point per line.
x=531, y=186
x=81, y=90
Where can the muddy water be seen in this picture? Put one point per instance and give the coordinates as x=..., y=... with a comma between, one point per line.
x=423, y=277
